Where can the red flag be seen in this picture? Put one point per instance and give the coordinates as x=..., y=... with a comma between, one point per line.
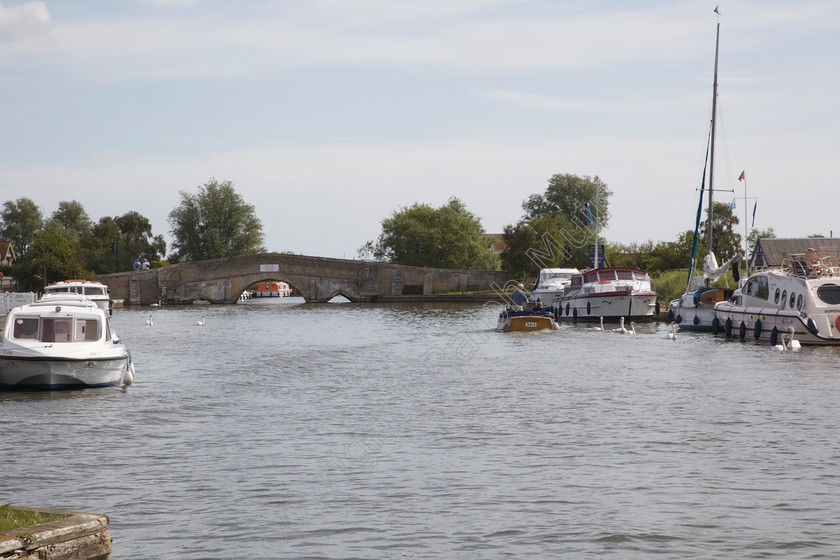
x=716, y=9
x=741, y=178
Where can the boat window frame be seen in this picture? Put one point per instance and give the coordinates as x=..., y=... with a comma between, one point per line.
x=18, y=325
x=799, y=303
x=833, y=289
x=784, y=298
x=776, y=296
x=792, y=300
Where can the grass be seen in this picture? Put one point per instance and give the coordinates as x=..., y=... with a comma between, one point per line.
x=671, y=284
x=11, y=518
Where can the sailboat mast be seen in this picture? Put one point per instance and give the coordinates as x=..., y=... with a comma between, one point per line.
x=712, y=157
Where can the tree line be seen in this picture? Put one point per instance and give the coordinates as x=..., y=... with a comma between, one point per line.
x=211, y=223
x=556, y=230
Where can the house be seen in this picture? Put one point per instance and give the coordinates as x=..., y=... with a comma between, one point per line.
x=7, y=253
x=771, y=252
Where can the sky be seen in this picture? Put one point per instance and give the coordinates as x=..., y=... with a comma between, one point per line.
x=330, y=115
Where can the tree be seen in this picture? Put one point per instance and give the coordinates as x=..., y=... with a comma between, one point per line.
x=52, y=257
x=580, y=199
x=559, y=225
x=73, y=219
x=136, y=238
x=20, y=222
x=446, y=237
x=214, y=223
x=725, y=242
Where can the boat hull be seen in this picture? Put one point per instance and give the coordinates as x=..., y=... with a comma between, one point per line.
x=44, y=373
x=768, y=325
x=636, y=306
x=526, y=323
x=695, y=310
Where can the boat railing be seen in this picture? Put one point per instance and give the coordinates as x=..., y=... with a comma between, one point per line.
x=803, y=267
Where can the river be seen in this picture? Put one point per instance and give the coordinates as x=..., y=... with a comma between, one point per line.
x=409, y=431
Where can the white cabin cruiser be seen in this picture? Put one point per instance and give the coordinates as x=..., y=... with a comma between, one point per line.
x=550, y=284
x=62, y=341
x=609, y=292
x=804, y=295
x=95, y=291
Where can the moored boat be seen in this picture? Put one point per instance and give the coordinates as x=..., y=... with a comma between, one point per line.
x=62, y=341
x=550, y=284
x=609, y=292
x=804, y=295
x=695, y=309
x=273, y=289
x=95, y=291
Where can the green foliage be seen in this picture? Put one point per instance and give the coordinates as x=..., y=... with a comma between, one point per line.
x=20, y=222
x=13, y=518
x=547, y=241
x=664, y=255
x=567, y=195
x=726, y=243
x=558, y=226
x=216, y=222
x=671, y=284
x=445, y=237
x=73, y=219
x=51, y=258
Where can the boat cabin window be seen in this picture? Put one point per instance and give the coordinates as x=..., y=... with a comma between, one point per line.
x=577, y=281
x=625, y=274
x=829, y=293
x=59, y=329
x=94, y=291
x=776, y=296
x=784, y=298
x=60, y=289
x=26, y=327
x=758, y=287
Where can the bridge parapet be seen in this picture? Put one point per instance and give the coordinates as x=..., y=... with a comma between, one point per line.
x=317, y=279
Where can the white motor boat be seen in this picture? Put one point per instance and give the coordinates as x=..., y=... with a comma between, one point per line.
x=550, y=284
x=95, y=291
x=804, y=295
x=62, y=341
x=609, y=292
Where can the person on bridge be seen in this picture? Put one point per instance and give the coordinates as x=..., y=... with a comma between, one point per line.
x=518, y=298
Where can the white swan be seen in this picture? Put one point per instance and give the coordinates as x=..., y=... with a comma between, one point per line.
x=793, y=344
x=781, y=347
x=601, y=328
x=620, y=328
x=632, y=329
x=673, y=334
x=200, y=323
x=149, y=320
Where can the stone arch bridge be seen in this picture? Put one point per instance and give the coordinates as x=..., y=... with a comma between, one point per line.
x=317, y=279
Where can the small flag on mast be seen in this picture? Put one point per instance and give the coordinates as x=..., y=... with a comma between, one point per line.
x=741, y=178
x=716, y=9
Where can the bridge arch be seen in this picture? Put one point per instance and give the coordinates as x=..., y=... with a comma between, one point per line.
x=317, y=279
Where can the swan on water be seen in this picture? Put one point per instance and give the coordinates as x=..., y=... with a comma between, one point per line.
x=673, y=334
x=149, y=320
x=601, y=328
x=632, y=329
x=200, y=323
x=620, y=328
x=793, y=344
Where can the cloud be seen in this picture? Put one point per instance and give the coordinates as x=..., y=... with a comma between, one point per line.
x=27, y=22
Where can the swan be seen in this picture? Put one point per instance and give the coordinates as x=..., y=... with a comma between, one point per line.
x=620, y=328
x=601, y=328
x=632, y=329
x=793, y=344
x=149, y=320
x=673, y=334
x=200, y=323
x=781, y=347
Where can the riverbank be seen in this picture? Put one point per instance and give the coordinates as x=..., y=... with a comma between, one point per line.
x=73, y=536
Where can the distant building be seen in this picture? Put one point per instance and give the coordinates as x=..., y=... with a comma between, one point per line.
x=771, y=252
x=7, y=253
x=494, y=241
